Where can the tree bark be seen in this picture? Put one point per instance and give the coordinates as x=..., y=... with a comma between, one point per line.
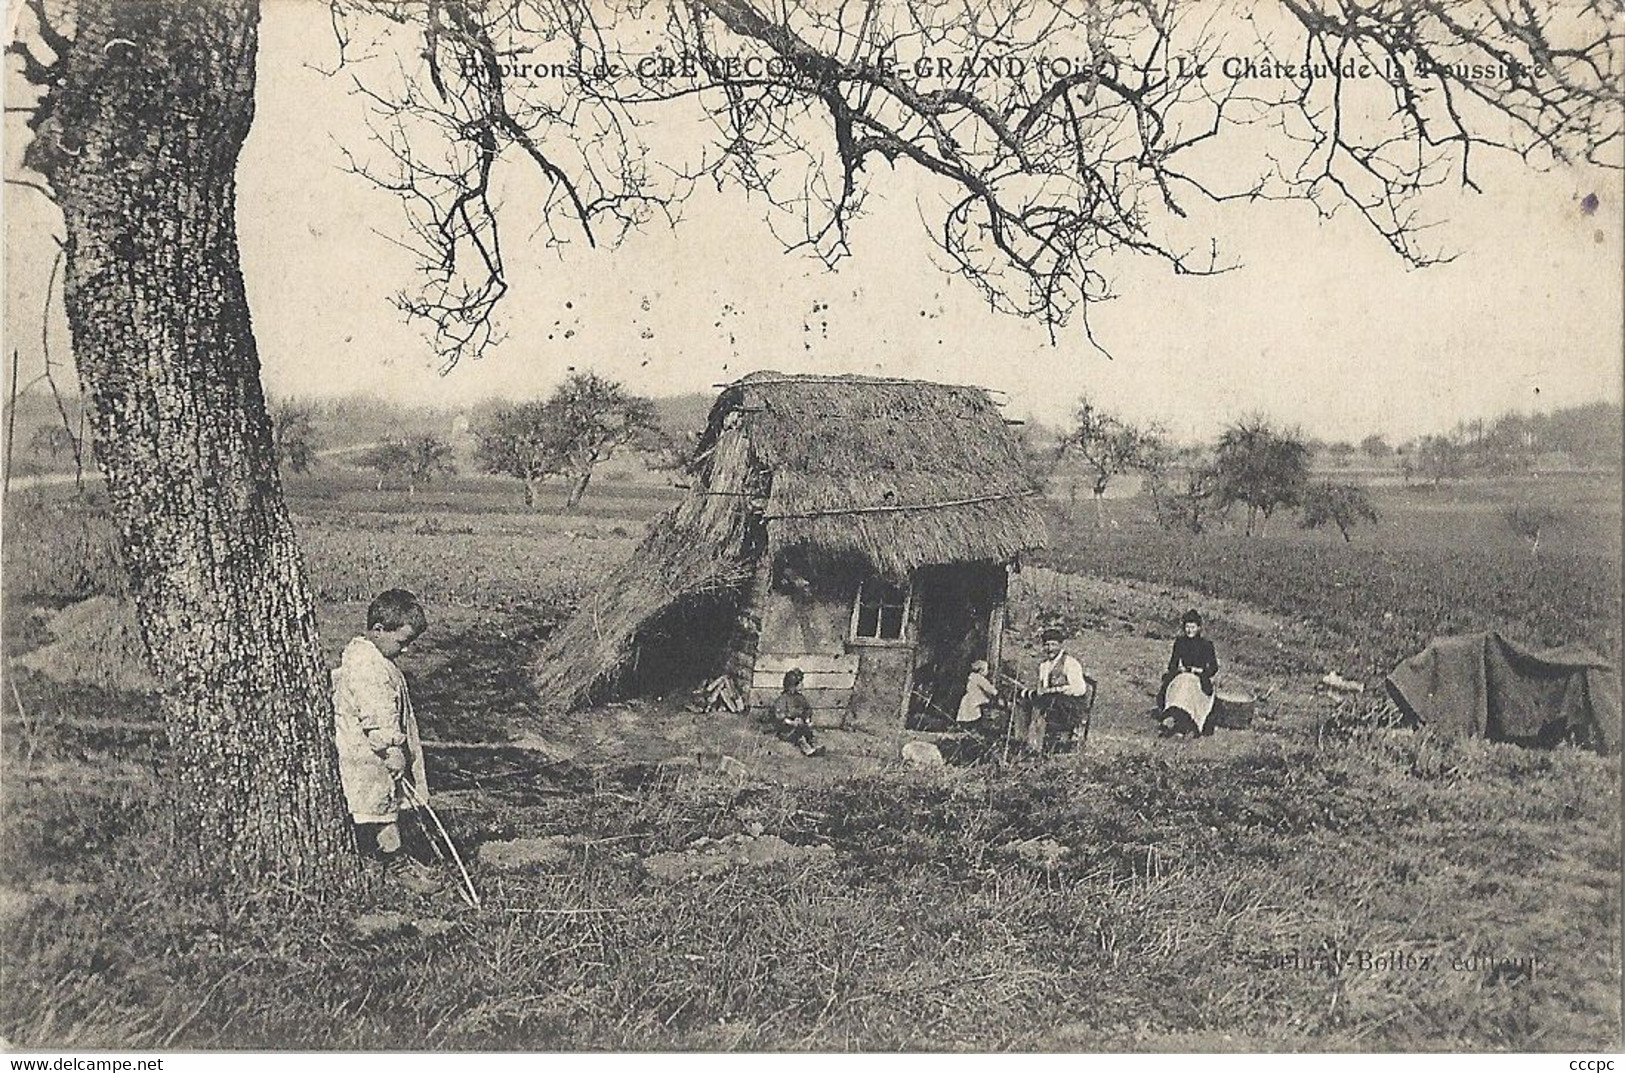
x=578, y=488
x=140, y=140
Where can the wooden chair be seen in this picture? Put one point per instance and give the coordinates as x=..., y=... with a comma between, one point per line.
x=1088, y=707
x=1077, y=735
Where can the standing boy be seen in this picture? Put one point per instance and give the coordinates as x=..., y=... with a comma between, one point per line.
x=380, y=753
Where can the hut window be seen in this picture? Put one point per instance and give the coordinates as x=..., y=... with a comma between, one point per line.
x=880, y=612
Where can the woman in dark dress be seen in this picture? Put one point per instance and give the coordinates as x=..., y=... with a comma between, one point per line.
x=1192, y=654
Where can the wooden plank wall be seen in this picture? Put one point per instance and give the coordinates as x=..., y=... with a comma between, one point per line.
x=827, y=685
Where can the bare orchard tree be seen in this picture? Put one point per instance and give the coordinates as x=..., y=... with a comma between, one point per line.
x=1341, y=452
x=414, y=460
x=391, y=458
x=1375, y=447
x=1109, y=446
x=1339, y=503
x=294, y=438
x=1183, y=484
x=1440, y=458
x=1530, y=521
x=589, y=418
x=1262, y=467
x=1032, y=180
x=428, y=459
x=584, y=422
x=52, y=441
x=670, y=449
x=514, y=442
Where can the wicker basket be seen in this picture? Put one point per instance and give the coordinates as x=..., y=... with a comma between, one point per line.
x=1233, y=708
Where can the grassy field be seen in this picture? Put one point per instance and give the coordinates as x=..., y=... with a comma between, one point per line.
x=1317, y=882
x=1440, y=560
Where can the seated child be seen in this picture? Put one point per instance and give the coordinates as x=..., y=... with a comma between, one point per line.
x=380, y=754
x=792, y=715
x=980, y=692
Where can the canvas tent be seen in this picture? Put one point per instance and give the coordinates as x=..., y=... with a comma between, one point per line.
x=858, y=528
x=1484, y=685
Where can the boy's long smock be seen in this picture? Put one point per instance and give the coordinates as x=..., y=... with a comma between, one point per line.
x=373, y=712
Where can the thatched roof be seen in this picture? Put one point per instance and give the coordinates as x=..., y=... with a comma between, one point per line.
x=899, y=473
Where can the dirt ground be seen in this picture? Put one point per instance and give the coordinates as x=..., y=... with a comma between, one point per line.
x=471, y=685
x=1122, y=634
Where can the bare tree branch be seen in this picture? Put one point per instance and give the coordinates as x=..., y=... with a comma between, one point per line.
x=1052, y=137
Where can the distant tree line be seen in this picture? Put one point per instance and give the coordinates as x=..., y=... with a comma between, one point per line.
x=1253, y=466
x=1509, y=445
x=586, y=421
x=1264, y=470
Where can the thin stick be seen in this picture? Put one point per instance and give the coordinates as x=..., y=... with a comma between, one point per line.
x=473, y=896
x=889, y=508
x=28, y=724
x=11, y=416
x=868, y=381
x=61, y=409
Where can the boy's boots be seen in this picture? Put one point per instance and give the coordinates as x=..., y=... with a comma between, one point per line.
x=402, y=869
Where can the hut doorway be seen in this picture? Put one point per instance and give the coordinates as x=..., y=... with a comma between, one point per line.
x=956, y=604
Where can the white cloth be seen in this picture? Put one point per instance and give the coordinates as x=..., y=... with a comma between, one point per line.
x=1185, y=693
x=372, y=713
x=1071, y=669
x=978, y=691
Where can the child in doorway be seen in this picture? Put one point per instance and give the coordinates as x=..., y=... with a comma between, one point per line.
x=980, y=692
x=793, y=715
x=380, y=753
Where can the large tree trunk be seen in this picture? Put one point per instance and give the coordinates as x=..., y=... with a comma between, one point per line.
x=140, y=140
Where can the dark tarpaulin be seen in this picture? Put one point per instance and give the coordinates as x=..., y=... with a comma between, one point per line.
x=1484, y=685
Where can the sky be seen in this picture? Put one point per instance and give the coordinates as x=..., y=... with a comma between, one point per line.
x=1321, y=326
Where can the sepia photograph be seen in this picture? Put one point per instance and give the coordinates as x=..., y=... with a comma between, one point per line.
x=862, y=526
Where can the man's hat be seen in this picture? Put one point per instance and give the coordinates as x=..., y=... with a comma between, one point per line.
x=1052, y=634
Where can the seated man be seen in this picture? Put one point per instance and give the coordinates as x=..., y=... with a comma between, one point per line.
x=1056, y=706
x=1186, y=697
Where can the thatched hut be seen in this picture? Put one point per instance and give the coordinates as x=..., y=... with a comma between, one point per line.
x=861, y=529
